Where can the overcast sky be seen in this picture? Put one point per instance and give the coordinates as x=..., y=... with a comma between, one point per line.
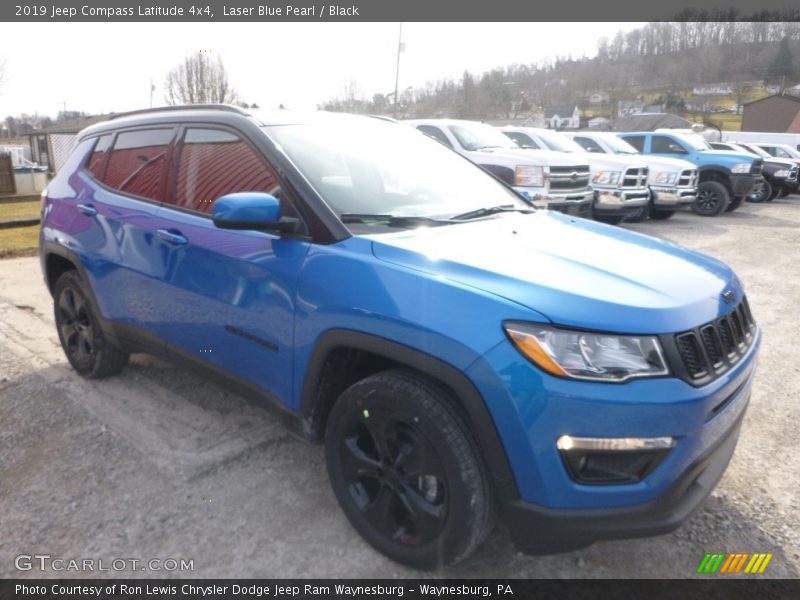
x=107, y=67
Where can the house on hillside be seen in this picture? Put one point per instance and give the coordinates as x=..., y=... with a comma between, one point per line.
x=599, y=98
x=713, y=89
x=563, y=116
x=629, y=107
x=50, y=147
x=774, y=114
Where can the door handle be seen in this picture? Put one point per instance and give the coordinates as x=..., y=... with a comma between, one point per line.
x=87, y=209
x=172, y=236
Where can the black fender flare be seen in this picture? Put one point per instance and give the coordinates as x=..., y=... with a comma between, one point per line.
x=468, y=397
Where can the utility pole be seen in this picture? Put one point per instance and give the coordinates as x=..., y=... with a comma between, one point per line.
x=397, y=69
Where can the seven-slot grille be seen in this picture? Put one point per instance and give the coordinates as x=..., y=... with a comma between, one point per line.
x=566, y=179
x=635, y=178
x=757, y=166
x=711, y=349
x=688, y=178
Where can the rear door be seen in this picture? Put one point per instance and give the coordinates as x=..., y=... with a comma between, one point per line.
x=228, y=296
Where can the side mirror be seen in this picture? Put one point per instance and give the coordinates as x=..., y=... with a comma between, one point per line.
x=255, y=211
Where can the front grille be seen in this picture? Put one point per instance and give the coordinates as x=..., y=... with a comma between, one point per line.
x=635, y=178
x=757, y=166
x=711, y=349
x=568, y=179
x=688, y=178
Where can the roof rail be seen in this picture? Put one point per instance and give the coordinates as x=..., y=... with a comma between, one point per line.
x=143, y=111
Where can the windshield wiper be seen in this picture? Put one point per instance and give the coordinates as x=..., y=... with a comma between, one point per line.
x=491, y=210
x=390, y=220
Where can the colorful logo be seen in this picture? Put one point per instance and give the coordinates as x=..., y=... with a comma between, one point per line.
x=733, y=563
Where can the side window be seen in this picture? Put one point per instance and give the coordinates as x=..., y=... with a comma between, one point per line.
x=637, y=141
x=779, y=152
x=137, y=162
x=97, y=161
x=523, y=139
x=666, y=145
x=212, y=163
x=589, y=144
x=436, y=134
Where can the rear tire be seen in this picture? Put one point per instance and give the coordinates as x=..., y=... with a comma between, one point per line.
x=712, y=199
x=405, y=470
x=609, y=219
x=640, y=215
x=82, y=338
x=763, y=194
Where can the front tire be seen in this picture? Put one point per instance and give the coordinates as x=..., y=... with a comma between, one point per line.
x=660, y=215
x=735, y=203
x=405, y=470
x=82, y=339
x=712, y=199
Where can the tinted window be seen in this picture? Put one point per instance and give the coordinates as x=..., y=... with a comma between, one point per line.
x=213, y=163
x=637, y=141
x=436, y=134
x=588, y=144
x=665, y=145
x=137, y=162
x=97, y=161
x=522, y=139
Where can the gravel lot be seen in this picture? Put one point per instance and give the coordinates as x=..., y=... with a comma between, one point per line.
x=157, y=464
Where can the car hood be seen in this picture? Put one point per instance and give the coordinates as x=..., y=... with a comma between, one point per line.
x=577, y=273
x=612, y=162
x=530, y=156
x=662, y=163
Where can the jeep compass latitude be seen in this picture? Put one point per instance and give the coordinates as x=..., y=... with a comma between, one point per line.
x=458, y=352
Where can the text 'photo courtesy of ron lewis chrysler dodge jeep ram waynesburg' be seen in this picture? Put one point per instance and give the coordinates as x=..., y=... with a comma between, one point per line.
x=463, y=343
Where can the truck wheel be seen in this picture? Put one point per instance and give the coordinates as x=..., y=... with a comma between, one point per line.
x=763, y=194
x=638, y=216
x=784, y=192
x=87, y=349
x=661, y=215
x=405, y=470
x=712, y=199
x=609, y=219
x=735, y=203
x=775, y=191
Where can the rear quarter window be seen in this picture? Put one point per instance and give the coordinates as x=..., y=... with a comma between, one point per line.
x=97, y=161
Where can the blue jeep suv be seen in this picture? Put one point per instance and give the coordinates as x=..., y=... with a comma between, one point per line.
x=460, y=353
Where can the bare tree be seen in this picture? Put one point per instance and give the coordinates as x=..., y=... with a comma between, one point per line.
x=199, y=80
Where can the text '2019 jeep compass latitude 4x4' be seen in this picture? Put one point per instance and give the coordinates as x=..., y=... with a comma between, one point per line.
x=459, y=352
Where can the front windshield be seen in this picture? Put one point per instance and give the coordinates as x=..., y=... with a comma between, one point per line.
x=559, y=142
x=478, y=136
x=790, y=151
x=756, y=150
x=363, y=166
x=696, y=142
x=619, y=146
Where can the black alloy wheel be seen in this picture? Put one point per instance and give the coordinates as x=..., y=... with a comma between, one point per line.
x=405, y=471
x=712, y=199
x=82, y=339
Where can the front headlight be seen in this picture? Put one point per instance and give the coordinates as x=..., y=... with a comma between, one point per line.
x=606, y=177
x=664, y=177
x=741, y=168
x=529, y=176
x=782, y=174
x=585, y=355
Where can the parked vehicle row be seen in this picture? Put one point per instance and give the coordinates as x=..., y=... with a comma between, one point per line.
x=780, y=175
x=461, y=355
x=632, y=175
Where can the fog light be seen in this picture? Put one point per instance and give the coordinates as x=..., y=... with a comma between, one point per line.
x=612, y=460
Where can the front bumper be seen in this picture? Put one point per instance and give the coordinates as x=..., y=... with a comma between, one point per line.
x=548, y=510
x=537, y=530
x=578, y=203
x=672, y=197
x=619, y=202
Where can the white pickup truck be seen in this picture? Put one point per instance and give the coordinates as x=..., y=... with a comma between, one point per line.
x=548, y=179
x=619, y=183
x=672, y=181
